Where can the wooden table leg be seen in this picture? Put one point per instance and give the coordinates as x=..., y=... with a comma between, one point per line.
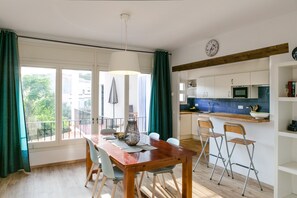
x=88, y=159
x=129, y=176
x=187, y=178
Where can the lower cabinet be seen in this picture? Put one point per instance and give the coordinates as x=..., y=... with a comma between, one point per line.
x=185, y=126
x=194, y=126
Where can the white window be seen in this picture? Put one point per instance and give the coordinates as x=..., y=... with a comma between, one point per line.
x=182, y=93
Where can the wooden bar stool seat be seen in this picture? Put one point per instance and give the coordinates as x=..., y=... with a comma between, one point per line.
x=241, y=141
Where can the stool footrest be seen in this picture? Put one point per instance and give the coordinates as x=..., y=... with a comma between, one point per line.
x=243, y=166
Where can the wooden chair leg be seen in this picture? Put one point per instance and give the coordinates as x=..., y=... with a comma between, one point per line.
x=102, y=184
x=137, y=188
x=89, y=175
x=96, y=181
x=141, y=178
x=154, y=186
x=174, y=179
x=113, y=189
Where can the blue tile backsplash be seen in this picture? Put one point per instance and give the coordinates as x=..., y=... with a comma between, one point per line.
x=230, y=105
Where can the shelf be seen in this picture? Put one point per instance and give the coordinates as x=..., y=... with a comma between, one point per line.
x=290, y=167
x=288, y=64
x=287, y=99
x=290, y=134
x=291, y=196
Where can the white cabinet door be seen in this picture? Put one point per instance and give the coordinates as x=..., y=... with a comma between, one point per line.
x=185, y=126
x=260, y=78
x=240, y=79
x=222, y=86
x=205, y=87
x=209, y=86
x=194, y=124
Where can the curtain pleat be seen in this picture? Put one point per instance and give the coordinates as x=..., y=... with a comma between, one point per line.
x=14, y=153
x=160, y=116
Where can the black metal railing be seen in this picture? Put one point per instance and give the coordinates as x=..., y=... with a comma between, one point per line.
x=42, y=131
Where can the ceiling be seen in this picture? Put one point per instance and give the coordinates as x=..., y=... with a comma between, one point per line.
x=152, y=25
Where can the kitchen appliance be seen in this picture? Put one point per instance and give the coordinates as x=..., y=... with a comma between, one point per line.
x=240, y=92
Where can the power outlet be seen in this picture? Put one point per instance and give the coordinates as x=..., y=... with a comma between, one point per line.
x=240, y=106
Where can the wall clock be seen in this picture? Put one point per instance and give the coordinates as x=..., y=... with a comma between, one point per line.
x=212, y=47
x=294, y=53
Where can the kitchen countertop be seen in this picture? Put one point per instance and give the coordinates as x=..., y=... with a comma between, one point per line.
x=229, y=116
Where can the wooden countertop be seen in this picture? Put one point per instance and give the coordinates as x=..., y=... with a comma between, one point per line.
x=229, y=116
x=235, y=117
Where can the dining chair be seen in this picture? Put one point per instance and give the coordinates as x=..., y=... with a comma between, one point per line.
x=95, y=158
x=107, y=131
x=154, y=135
x=168, y=169
x=112, y=172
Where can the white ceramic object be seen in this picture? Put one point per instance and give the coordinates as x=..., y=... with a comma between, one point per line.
x=259, y=115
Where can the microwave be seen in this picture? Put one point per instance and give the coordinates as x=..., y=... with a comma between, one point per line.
x=240, y=92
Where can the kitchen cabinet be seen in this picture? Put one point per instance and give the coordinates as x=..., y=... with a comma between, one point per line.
x=185, y=125
x=195, y=125
x=205, y=87
x=240, y=79
x=222, y=86
x=260, y=77
x=286, y=141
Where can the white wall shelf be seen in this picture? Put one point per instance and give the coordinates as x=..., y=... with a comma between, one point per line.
x=287, y=99
x=289, y=134
x=290, y=167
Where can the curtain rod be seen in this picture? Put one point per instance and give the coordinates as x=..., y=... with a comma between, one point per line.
x=85, y=45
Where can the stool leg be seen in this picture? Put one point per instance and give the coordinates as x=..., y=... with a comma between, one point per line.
x=228, y=162
x=202, y=152
x=219, y=155
x=253, y=166
x=204, y=155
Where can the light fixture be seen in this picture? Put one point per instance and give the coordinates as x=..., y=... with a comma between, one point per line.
x=124, y=62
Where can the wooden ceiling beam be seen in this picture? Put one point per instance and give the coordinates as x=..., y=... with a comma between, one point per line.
x=238, y=57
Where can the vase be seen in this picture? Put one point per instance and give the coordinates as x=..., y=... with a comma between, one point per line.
x=132, y=135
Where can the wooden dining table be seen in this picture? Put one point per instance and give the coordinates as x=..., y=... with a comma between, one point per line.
x=165, y=154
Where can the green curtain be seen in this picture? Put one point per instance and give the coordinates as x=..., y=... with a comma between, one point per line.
x=14, y=153
x=160, y=117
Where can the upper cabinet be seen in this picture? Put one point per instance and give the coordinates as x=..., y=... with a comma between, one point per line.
x=205, y=87
x=240, y=79
x=260, y=77
x=222, y=86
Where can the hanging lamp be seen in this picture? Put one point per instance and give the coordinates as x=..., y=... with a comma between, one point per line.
x=124, y=62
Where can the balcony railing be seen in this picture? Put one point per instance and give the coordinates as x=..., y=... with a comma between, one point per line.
x=44, y=131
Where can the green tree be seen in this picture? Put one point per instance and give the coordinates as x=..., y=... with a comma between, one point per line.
x=39, y=98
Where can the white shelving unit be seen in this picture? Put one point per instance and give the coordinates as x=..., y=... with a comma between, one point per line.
x=286, y=141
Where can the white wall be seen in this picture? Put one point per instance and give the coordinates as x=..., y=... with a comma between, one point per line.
x=262, y=34
x=49, y=54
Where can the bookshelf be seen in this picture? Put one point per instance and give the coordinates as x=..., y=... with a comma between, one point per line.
x=286, y=141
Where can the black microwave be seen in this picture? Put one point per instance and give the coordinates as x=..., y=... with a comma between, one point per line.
x=240, y=92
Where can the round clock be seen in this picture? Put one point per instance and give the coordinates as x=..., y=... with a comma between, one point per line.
x=212, y=47
x=294, y=53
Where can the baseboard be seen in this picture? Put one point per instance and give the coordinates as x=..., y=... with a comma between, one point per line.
x=59, y=163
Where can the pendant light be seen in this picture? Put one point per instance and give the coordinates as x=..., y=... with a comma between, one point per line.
x=124, y=62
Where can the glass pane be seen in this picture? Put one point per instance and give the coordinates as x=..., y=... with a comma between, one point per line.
x=139, y=99
x=181, y=97
x=181, y=86
x=111, y=111
x=40, y=104
x=76, y=103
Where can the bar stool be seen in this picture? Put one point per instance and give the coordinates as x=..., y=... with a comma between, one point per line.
x=206, y=132
x=239, y=129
